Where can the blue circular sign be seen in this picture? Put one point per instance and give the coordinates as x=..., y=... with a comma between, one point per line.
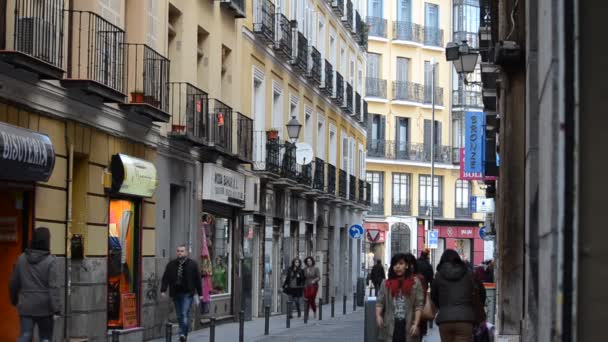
x=356, y=231
x=483, y=234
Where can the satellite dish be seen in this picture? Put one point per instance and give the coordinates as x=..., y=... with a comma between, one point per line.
x=304, y=153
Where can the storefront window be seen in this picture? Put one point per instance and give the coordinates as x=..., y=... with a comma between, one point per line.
x=217, y=231
x=123, y=264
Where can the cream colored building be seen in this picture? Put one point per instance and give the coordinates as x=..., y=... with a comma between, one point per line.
x=405, y=38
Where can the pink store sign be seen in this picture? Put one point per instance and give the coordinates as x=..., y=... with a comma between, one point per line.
x=470, y=175
x=470, y=232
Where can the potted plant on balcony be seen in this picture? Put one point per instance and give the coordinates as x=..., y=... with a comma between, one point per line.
x=137, y=96
x=272, y=134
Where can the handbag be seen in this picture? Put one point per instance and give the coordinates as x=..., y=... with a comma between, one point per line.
x=429, y=311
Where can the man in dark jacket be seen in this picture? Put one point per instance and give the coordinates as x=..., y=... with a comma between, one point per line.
x=183, y=278
x=424, y=267
x=377, y=275
x=34, y=288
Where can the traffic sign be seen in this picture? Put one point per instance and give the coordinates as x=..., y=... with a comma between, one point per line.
x=433, y=239
x=485, y=205
x=356, y=231
x=483, y=234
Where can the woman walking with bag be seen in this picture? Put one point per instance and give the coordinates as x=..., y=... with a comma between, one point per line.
x=400, y=303
x=311, y=286
x=294, y=284
x=456, y=295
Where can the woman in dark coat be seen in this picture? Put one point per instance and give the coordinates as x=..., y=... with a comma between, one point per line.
x=294, y=284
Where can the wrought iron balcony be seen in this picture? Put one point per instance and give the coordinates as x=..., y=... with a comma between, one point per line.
x=283, y=44
x=147, y=81
x=220, y=126
x=361, y=191
x=408, y=91
x=357, y=26
x=301, y=54
x=348, y=105
x=339, y=93
x=263, y=20
x=464, y=212
x=433, y=36
x=358, y=108
x=305, y=174
x=376, y=208
x=375, y=87
x=342, y=184
x=403, y=208
x=365, y=117
x=236, y=6
x=314, y=72
x=456, y=155
x=188, y=106
x=347, y=20
x=352, y=187
x=328, y=85
x=338, y=7
x=418, y=152
x=319, y=178
x=96, y=56
x=37, y=40
x=331, y=179
x=428, y=91
x=368, y=194
x=424, y=208
x=289, y=165
x=472, y=38
x=376, y=148
x=467, y=98
x=266, y=152
x=407, y=31
x=244, y=133
x=377, y=27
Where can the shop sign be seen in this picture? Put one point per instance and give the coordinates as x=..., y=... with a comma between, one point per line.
x=223, y=185
x=474, y=142
x=375, y=236
x=381, y=226
x=484, y=205
x=133, y=176
x=458, y=232
x=471, y=175
x=128, y=302
x=25, y=155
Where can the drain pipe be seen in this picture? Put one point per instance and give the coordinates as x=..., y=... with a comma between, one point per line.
x=68, y=229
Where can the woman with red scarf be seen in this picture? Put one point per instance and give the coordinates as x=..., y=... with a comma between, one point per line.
x=400, y=303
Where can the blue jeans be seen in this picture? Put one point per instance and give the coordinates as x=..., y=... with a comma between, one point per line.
x=45, y=328
x=183, y=302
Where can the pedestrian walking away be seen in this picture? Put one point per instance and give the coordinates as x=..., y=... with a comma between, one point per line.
x=311, y=285
x=377, y=276
x=400, y=303
x=183, y=279
x=294, y=284
x=457, y=297
x=424, y=267
x=34, y=288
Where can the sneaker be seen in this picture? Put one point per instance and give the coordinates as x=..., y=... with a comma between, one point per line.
x=182, y=338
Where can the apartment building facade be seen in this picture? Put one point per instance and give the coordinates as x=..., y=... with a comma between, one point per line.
x=405, y=38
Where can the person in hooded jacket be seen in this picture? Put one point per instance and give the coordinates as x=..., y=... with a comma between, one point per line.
x=34, y=288
x=452, y=293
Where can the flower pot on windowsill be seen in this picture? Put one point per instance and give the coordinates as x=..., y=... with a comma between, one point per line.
x=137, y=97
x=272, y=135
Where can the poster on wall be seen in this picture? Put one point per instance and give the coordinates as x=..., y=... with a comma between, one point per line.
x=129, y=310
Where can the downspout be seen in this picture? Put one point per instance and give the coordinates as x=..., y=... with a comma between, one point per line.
x=68, y=214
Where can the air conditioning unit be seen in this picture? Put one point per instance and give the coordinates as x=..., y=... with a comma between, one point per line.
x=38, y=38
x=252, y=194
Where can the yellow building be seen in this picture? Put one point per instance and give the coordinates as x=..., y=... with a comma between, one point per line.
x=406, y=38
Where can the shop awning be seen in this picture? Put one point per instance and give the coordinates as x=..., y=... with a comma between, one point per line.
x=25, y=155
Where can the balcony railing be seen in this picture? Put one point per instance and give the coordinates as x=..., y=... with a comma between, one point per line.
x=401, y=209
x=319, y=178
x=377, y=27
x=375, y=87
x=37, y=40
x=328, y=85
x=424, y=208
x=147, y=74
x=96, y=56
x=263, y=19
x=348, y=106
x=408, y=31
x=338, y=7
x=304, y=175
x=377, y=209
x=361, y=191
x=331, y=179
x=417, y=152
x=365, y=114
x=428, y=91
x=301, y=55
x=339, y=93
x=237, y=7
x=464, y=212
x=358, y=107
x=283, y=38
x=348, y=18
x=376, y=148
x=472, y=38
x=456, y=155
x=315, y=66
x=220, y=125
x=188, y=107
x=433, y=36
x=266, y=153
x=352, y=187
x=468, y=99
x=408, y=91
x=362, y=32
x=342, y=184
x=244, y=137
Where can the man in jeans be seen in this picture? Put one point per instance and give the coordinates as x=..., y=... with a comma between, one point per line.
x=183, y=278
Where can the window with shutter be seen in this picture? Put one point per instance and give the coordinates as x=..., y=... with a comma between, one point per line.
x=404, y=10
x=403, y=69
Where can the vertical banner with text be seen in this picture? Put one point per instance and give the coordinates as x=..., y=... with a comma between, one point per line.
x=474, y=143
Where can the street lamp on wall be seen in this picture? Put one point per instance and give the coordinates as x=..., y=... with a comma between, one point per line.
x=463, y=57
x=293, y=129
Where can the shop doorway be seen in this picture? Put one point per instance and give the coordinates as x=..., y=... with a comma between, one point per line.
x=15, y=228
x=400, y=238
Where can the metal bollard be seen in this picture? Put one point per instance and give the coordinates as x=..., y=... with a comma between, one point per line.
x=115, y=337
x=212, y=329
x=354, y=301
x=288, y=322
x=370, y=291
x=305, y=310
x=267, y=320
x=344, y=305
x=168, y=332
x=333, y=306
x=320, y=309
x=241, y=326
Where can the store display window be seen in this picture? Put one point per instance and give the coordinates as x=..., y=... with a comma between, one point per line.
x=218, y=235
